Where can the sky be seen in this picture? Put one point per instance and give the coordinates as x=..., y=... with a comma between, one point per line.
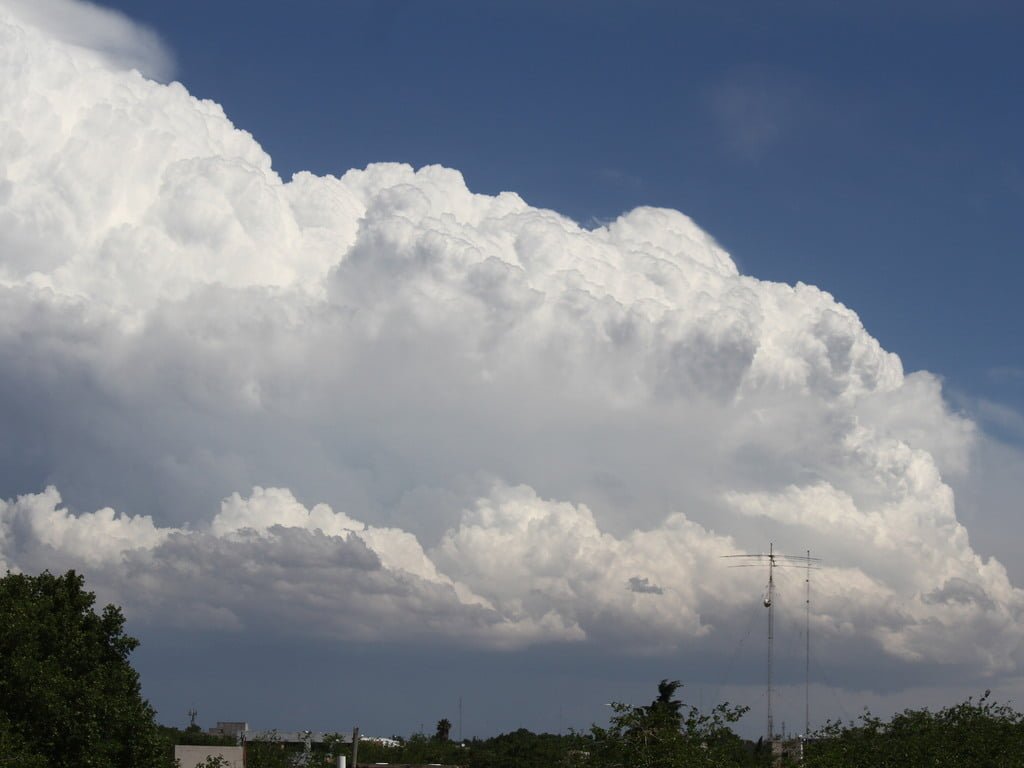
x=378, y=355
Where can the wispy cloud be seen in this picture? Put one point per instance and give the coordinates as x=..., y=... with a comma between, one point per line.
x=111, y=34
x=755, y=109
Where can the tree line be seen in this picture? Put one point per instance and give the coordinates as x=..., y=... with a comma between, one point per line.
x=69, y=698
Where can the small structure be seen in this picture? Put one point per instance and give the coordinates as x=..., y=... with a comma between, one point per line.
x=786, y=751
x=293, y=738
x=384, y=741
x=190, y=756
x=229, y=728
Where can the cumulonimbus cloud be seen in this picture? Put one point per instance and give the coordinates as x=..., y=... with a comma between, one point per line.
x=552, y=433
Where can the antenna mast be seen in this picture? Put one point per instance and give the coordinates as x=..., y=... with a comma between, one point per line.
x=775, y=561
x=807, y=656
x=769, y=602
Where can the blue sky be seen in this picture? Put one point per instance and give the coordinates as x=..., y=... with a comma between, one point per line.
x=872, y=151
x=381, y=438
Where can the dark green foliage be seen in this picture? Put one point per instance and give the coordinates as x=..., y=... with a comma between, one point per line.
x=518, y=749
x=664, y=734
x=527, y=749
x=215, y=761
x=15, y=752
x=67, y=691
x=668, y=734
x=666, y=706
x=269, y=754
x=418, y=749
x=194, y=736
x=444, y=727
x=973, y=734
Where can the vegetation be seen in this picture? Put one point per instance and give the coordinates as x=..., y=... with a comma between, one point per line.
x=519, y=749
x=15, y=751
x=193, y=735
x=670, y=734
x=978, y=733
x=69, y=698
x=667, y=734
x=272, y=754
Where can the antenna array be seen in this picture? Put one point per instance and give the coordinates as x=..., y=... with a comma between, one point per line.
x=773, y=561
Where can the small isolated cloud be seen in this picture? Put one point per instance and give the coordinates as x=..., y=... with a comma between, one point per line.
x=1007, y=374
x=643, y=585
x=621, y=179
x=755, y=109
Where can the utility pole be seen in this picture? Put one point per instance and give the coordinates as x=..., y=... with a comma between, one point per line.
x=355, y=747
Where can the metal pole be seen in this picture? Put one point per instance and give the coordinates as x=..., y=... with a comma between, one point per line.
x=757, y=560
x=807, y=656
x=355, y=747
x=771, y=633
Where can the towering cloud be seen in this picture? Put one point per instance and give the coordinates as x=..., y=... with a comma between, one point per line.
x=552, y=433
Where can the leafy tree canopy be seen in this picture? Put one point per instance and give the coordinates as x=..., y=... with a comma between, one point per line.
x=973, y=734
x=668, y=734
x=68, y=694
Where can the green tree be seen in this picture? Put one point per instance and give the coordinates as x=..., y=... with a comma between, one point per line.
x=668, y=734
x=194, y=736
x=973, y=734
x=444, y=728
x=270, y=753
x=67, y=691
x=15, y=753
x=524, y=749
x=666, y=706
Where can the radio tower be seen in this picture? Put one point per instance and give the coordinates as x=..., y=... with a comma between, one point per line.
x=774, y=561
x=807, y=656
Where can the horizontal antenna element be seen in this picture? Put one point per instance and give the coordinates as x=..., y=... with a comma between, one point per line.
x=773, y=561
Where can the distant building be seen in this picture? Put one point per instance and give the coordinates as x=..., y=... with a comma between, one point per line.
x=190, y=756
x=291, y=737
x=232, y=729
x=382, y=740
x=787, y=751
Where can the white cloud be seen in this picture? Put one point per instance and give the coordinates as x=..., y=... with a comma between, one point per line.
x=755, y=109
x=94, y=538
x=539, y=423
x=517, y=570
x=264, y=563
x=103, y=31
